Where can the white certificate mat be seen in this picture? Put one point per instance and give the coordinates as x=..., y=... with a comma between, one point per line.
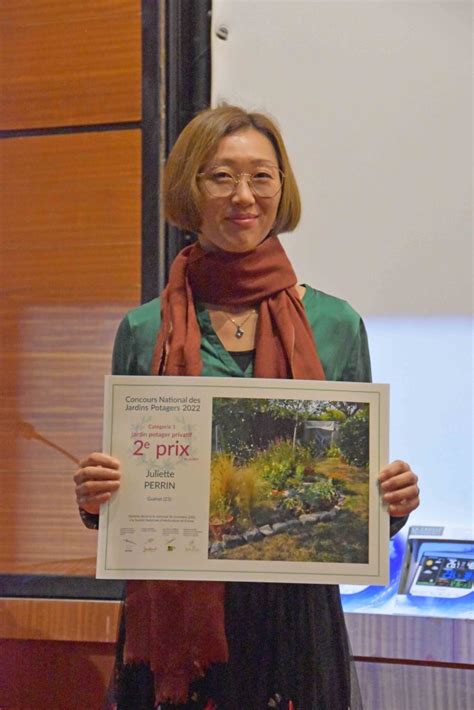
x=250, y=480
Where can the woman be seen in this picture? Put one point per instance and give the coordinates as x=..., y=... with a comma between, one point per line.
x=233, y=308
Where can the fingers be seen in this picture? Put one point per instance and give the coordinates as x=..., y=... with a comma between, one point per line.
x=95, y=473
x=396, y=468
x=92, y=504
x=400, y=495
x=403, y=509
x=92, y=494
x=399, y=487
x=99, y=459
x=97, y=478
x=92, y=489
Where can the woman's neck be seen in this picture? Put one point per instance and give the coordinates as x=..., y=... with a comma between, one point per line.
x=236, y=326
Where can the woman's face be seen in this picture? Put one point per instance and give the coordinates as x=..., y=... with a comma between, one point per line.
x=239, y=223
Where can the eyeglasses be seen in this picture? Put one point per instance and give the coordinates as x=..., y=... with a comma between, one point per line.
x=222, y=182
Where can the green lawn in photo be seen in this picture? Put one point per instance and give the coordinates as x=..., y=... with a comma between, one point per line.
x=344, y=539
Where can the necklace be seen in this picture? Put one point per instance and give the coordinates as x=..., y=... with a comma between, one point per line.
x=239, y=331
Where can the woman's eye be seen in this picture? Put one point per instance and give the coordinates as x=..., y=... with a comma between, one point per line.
x=262, y=175
x=222, y=176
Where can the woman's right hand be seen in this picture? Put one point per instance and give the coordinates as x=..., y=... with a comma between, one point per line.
x=97, y=477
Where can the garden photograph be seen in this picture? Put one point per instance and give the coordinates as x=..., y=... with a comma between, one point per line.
x=289, y=480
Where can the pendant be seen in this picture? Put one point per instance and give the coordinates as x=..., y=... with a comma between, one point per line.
x=239, y=332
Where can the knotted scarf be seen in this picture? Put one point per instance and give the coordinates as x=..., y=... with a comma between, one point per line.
x=178, y=627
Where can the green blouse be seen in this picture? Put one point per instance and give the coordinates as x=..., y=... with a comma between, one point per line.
x=338, y=331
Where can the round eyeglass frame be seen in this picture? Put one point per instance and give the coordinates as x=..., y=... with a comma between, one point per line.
x=237, y=178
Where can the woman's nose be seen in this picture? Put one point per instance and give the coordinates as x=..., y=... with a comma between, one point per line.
x=243, y=192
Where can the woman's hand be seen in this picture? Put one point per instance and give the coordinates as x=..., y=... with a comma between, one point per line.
x=97, y=477
x=399, y=486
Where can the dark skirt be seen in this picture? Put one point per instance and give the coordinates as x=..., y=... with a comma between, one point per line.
x=287, y=644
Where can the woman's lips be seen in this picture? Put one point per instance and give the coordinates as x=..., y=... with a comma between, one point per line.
x=242, y=219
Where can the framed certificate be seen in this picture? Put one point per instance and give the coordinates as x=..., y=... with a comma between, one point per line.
x=250, y=480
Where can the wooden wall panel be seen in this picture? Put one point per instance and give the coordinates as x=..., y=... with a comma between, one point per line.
x=72, y=201
x=69, y=63
x=59, y=620
x=69, y=269
x=70, y=244
x=54, y=675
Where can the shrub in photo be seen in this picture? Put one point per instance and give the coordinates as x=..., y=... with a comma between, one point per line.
x=354, y=440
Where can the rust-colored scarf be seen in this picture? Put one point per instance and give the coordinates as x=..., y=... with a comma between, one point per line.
x=178, y=627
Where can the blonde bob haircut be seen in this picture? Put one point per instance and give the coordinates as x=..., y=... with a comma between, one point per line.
x=197, y=143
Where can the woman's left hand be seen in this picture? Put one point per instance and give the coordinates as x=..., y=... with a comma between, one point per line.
x=399, y=486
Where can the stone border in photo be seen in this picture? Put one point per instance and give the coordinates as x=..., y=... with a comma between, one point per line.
x=255, y=534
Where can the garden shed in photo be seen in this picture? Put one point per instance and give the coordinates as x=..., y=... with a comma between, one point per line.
x=322, y=434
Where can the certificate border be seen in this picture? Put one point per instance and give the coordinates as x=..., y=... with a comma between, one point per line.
x=360, y=391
